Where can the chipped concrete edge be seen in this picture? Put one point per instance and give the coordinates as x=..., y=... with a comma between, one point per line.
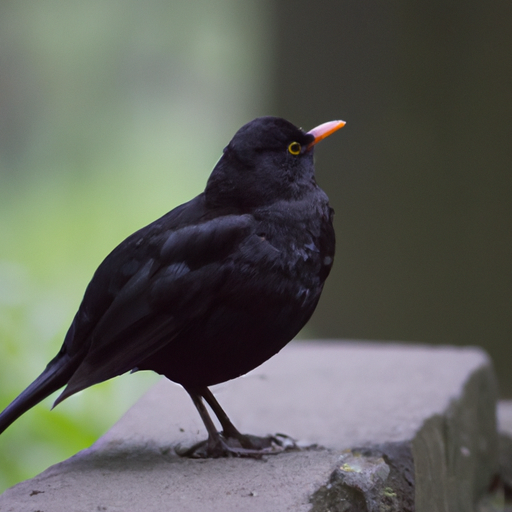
x=373, y=479
x=447, y=467
x=456, y=455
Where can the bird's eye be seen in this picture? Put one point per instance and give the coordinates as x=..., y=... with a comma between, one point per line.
x=294, y=148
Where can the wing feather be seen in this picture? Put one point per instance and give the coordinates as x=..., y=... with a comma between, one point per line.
x=146, y=313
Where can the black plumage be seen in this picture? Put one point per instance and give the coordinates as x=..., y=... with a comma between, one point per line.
x=213, y=288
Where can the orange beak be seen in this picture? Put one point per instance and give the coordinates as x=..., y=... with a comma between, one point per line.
x=324, y=130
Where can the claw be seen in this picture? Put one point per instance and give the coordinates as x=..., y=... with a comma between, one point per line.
x=244, y=446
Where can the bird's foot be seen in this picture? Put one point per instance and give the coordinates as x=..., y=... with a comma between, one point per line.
x=243, y=445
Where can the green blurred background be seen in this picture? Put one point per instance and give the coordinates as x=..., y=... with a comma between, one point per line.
x=111, y=113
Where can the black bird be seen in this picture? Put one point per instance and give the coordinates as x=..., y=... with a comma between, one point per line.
x=213, y=288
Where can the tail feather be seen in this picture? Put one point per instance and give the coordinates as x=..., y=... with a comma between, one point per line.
x=55, y=376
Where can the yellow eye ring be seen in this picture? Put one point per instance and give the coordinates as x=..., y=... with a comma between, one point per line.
x=294, y=148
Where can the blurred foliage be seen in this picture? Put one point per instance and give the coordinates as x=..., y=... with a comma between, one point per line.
x=111, y=113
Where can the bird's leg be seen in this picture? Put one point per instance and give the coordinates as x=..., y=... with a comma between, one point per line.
x=230, y=431
x=213, y=445
x=230, y=442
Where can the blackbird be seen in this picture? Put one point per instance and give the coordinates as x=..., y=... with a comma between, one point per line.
x=213, y=288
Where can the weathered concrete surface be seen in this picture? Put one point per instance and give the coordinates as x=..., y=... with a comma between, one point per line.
x=505, y=417
x=419, y=421
x=505, y=452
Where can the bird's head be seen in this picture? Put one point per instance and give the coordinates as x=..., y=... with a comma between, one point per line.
x=268, y=159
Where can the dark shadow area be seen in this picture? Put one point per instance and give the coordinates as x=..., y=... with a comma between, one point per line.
x=420, y=177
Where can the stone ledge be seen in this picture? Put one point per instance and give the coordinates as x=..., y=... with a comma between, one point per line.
x=401, y=426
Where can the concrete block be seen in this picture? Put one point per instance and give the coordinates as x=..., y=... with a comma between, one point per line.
x=396, y=427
